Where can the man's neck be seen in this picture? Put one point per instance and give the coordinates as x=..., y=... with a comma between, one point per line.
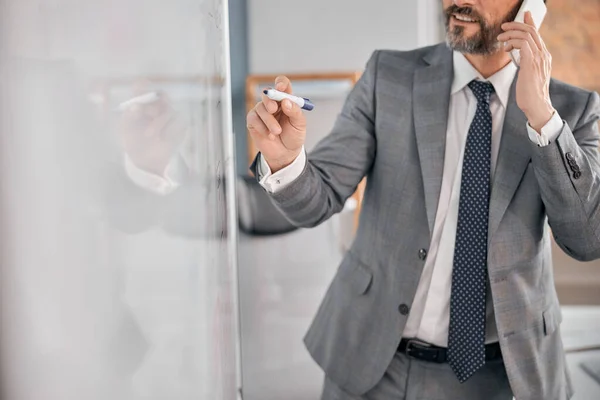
x=488, y=65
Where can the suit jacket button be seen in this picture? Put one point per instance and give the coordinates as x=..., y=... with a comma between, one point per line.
x=403, y=309
x=577, y=175
x=422, y=254
x=569, y=156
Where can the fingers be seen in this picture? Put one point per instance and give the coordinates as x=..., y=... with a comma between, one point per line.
x=263, y=120
x=295, y=116
x=519, y=35
x=528, y=25
x=270, y=105
x=268, y=119
x=520, y=44
x=257, y=128
x=525, y=36
x=283, y=84
x=511, y=28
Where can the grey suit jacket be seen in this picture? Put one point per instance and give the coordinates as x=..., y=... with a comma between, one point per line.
x=392, y=130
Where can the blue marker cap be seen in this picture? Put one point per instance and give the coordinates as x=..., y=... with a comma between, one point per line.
x=308, y=106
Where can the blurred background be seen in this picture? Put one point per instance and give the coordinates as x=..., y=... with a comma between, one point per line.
x=139, y=259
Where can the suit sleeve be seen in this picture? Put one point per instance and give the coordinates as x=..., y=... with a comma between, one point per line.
x=338, y=163
x=568, y=174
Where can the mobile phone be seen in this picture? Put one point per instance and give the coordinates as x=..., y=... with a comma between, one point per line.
x=538, y=12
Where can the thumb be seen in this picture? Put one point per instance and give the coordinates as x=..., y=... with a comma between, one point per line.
x=294, y=114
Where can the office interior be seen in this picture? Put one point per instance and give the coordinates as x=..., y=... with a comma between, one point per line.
x=115, y=285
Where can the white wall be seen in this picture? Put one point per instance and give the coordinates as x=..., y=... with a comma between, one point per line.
x=334, y=35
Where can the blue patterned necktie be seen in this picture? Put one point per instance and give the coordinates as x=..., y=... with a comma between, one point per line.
x=466, y=335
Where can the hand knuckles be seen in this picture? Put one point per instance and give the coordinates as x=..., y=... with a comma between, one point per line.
x=252, y=118
x=281, y=79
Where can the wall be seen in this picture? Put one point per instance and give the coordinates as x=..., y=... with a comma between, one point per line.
x=572, y=35
x=238, y=38
x=316, y=35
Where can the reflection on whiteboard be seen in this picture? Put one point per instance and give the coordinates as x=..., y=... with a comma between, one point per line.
x=118, y=217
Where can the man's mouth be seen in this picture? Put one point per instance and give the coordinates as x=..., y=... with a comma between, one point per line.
x=463, y=18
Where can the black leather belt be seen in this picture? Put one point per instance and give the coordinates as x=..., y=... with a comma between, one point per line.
x=427, y=352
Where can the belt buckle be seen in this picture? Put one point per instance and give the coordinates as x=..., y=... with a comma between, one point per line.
x=412, y=342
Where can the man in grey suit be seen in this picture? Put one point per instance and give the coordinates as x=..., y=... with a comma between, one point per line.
x=447, y=291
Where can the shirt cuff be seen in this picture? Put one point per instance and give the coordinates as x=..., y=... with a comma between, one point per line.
x=162, y=185
x=280, y=179
x=548, y=133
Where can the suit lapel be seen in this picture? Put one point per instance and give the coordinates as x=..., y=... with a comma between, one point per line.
x=513, y=158
x=431, y=98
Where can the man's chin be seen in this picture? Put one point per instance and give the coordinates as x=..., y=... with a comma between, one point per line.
x=470, y=47
x=464, y=36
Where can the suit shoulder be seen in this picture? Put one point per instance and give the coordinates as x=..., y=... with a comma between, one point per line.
x=414, y=56
x=402, y=60
x=563, y=89
x=570, y=99
x=410, y=55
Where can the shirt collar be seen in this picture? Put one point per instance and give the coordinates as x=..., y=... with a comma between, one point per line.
x=464, y=73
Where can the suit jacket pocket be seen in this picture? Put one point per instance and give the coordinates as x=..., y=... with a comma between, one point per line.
x=355, y=274
x=552, y=318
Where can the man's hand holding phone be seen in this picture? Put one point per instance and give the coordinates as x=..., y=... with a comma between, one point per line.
x=533, y=95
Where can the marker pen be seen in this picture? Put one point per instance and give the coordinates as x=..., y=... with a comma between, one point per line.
x=276, y=95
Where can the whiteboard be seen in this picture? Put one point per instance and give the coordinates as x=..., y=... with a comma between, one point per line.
x=117, y=216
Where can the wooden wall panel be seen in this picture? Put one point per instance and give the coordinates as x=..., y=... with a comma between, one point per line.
x=571, y=31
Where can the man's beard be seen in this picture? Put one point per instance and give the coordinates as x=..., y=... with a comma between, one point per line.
x=485, y=41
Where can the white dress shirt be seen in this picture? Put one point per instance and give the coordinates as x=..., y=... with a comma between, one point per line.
x=430, y=311
x=158, y=184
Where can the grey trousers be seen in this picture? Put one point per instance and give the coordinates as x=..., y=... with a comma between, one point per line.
x=411, y=379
